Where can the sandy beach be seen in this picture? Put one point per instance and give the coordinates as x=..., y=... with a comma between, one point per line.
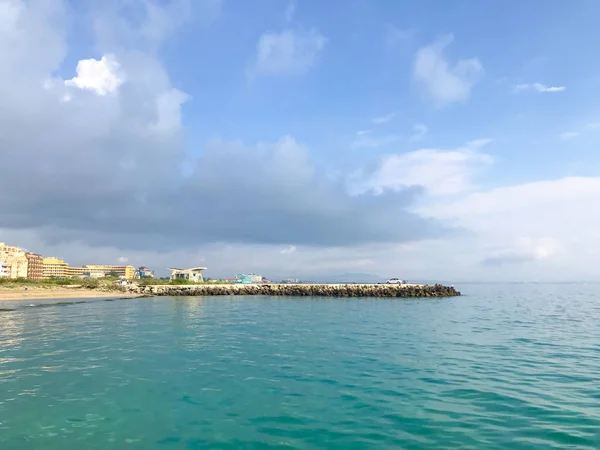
x=57, y=292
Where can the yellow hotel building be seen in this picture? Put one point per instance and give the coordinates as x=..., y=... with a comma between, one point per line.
x=126, y=272
x=58, y=268
x=54, y=268
x=75, y=272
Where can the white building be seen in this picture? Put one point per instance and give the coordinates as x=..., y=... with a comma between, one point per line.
x=14, y=259
x=4, y=270
x=194, y=274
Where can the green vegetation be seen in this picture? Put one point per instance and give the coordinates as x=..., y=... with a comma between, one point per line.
x=107, y=283
x=167, y=282
x=152, y=281
x=161, y=282
x=88, y=283
x=180, y=281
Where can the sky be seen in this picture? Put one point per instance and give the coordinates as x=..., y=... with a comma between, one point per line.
x=421, y=140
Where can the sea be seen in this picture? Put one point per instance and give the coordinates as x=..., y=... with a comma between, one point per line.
x=505, y=366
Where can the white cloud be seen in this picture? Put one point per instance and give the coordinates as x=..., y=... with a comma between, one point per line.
x=168, y=109
x=290, y=52
x=477, y=144
x=593, y=126
x=366, y=140
x=440, y=172
x=568, y=135
x=419, y=132
x=525, y=224
x=539, y=87
x=123, y=259
x=383, y=119
x=147, y=24
x=9, y=14
x=443, y=81
x=288, y=250
x=522, y=196
x=363, y=132
x=102, y=77
x=524, y=249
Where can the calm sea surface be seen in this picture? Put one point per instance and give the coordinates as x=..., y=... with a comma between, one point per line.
x=504, y=366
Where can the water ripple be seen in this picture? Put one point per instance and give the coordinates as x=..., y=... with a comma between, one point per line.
x=505, y=366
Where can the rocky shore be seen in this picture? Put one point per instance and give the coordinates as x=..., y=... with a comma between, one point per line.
x=300, y=290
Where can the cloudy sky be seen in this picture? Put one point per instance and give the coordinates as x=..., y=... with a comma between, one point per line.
x=288, y=138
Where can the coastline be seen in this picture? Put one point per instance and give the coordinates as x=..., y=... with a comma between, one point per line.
x=300, y=290
x=284, y=290
x=40, y=293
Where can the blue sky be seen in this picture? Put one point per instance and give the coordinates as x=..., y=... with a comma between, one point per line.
x=415, y=139
x=364, y=72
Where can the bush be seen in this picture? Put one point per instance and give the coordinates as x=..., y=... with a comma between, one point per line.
x=56, y=281
x=90, y=283
x=150, y=281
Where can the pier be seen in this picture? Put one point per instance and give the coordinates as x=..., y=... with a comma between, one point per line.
x=300, y=290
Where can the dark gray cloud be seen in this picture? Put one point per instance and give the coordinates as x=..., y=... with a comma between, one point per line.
x=105, y=169
x=235, y=194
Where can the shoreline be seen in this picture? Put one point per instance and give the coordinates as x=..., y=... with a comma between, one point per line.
x=300, y=290
x=17, y=294
x=283, y=290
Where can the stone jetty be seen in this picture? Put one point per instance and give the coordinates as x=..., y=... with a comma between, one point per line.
x=299, y=290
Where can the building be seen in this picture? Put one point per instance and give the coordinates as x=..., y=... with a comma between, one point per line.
x=75, y=272
x=35, y=266
x=55, y=268
x=14, y=261
x=194, y=274
x=250, y=278
x=144, y=272
x=99, y=271
x=96, y=271
x=4, y=271
x=230, y=280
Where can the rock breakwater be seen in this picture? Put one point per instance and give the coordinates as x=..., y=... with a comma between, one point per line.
x=300, y=290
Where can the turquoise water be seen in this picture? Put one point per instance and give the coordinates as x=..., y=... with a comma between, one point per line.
x=505, y=366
